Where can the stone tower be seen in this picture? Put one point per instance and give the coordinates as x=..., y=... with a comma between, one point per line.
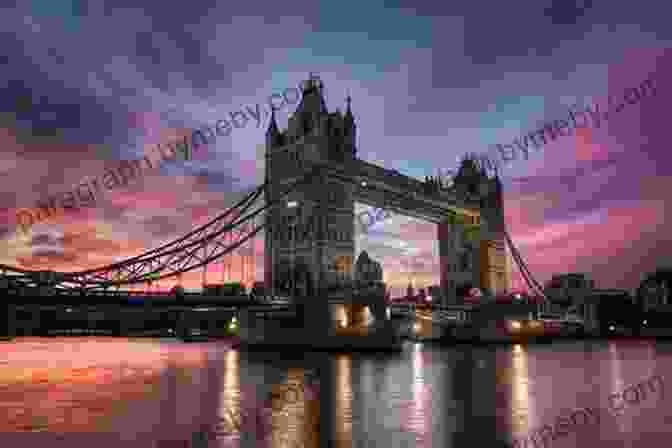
x=472, y=249
x=494, y=269
x=312, y=237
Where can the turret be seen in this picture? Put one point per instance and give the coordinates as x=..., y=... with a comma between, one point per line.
x=274, y=137
x=469, y=177
x=350, y=136
x=307, y=119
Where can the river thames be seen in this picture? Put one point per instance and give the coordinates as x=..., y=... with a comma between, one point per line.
x=100, y=392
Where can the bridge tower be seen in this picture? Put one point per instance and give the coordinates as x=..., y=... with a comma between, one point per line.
x=474, y=255
x=494, y=272
x=312, y=232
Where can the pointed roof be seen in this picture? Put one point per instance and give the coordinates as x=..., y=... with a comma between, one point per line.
x=363, y=257
x=272, y=126
x=349, y=118
x=312, y=99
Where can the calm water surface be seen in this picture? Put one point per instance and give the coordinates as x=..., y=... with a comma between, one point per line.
x=99, y=392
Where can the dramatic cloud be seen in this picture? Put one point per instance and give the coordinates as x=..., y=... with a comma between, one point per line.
x=85, y=86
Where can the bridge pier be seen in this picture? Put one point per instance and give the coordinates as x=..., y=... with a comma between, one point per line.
x=213, y=328
x=35, y=321
x=181, y=324
x=121, y=322
x=8, y=328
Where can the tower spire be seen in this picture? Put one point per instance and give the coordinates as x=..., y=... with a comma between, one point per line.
x=350, y=127
x=348, y=112
x=272, y=125
x=273, y=135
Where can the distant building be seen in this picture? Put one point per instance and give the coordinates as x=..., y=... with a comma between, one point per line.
x=654, y=289
x=569, y=289
x=368, y=270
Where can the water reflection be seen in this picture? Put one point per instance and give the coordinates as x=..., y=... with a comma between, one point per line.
x=270, y=403
x=419, y=415
x=343, y=398
x=520, y=403
x=228, y=421
x=152, y=391
x=617, y=383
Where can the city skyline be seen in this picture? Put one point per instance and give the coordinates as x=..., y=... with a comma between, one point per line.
x=590, y=202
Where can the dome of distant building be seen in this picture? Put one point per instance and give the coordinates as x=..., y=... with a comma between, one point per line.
x=368, y=270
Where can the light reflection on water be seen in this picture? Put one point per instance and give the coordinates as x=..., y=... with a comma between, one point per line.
x=517, y=377
x=158, y=390
x=343, y=398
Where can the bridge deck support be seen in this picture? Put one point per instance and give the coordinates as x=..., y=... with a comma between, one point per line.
x=122, y=322
x=181, y=325
x=8, y=329
x=35, y=321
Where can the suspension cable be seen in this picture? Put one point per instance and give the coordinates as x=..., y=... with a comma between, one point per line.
x=250, y=217
x=245, y=202
x=524, y=270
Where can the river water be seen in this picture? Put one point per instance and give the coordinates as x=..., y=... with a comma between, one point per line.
x=100, y=392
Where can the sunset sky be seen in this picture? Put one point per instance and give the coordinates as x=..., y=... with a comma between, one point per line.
x=83, y=86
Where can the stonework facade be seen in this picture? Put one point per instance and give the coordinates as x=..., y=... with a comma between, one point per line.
x=312, y=239
x=316, y=225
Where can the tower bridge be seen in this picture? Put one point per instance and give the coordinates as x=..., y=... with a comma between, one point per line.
x=316, y=228
x=306, y=208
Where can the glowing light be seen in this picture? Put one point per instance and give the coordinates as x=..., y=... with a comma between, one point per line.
x=611, y=328
x=429, y=298
x=515, y=325
x=475, y=292
x=363, y=183
x=292, y=204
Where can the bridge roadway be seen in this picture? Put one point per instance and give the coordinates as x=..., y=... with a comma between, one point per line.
x=406, y=195
x=381, y=187
x=126, y=315
x=473, y=322
x=432, y=323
